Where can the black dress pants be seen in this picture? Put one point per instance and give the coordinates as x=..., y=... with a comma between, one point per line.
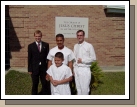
x=45, y=84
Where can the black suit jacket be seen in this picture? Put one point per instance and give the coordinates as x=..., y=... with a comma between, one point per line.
x=35, y=57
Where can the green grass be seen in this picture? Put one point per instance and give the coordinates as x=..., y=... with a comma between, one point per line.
x=113, y=84
x=17, y=83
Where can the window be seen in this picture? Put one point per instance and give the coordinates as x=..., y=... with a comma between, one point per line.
x=115, y=8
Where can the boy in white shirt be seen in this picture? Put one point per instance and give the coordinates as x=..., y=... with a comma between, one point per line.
x=59, y=75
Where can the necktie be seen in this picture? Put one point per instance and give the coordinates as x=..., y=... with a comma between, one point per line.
x=39, y=47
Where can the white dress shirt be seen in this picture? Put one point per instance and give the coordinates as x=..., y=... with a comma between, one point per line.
x=60, y=73
x=40, y=48
x=40, y=45
x=86, y=52
x=68, y=54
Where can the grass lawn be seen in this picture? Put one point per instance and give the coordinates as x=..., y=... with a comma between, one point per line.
x=113, y=84
x=18, y=83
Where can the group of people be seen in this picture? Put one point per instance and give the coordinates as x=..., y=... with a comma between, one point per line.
x=59, y=66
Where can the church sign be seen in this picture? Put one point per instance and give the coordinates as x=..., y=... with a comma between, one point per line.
x=68, y=26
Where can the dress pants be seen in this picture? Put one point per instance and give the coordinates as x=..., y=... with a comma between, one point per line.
x=45, y=84
x=82, y=79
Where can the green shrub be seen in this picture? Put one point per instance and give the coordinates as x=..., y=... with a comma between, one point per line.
x=96, y=74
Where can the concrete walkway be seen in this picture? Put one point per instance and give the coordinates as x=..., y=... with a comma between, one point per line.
x=104, y=69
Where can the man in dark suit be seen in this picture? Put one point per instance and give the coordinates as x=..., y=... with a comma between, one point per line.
x=37, y=64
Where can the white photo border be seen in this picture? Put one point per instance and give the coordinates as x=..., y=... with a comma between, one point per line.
x=126, y=3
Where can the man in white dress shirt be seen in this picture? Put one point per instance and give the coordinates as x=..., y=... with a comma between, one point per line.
x=84, y=56
x=68, y=54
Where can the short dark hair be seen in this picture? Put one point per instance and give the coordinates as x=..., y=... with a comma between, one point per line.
x=60, y=35
x=81, y=31
x=59, y=55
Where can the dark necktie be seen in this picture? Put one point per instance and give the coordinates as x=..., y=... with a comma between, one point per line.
x=39, y=47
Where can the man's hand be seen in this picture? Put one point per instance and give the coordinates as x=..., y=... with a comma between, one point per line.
x=47, y=77
x=30, y=73
x=73, y=74
x=79, y=60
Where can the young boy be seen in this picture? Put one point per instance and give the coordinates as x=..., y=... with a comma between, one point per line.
x=59, y=75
